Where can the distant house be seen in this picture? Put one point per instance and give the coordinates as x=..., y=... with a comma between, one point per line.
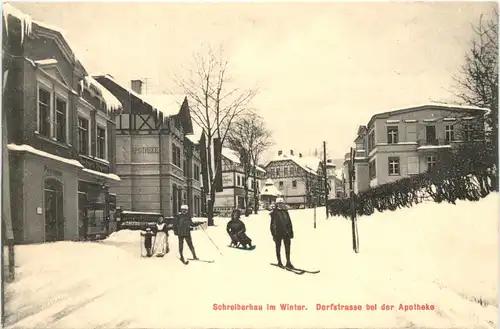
x=295, y=176
x=406, y=142
x=233, y=183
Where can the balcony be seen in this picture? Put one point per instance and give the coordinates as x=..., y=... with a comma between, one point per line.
x=435, y=143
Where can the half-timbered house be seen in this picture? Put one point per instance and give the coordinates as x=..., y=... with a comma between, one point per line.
x=158, y=163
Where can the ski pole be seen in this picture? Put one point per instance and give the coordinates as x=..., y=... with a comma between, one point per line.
x=211, y=240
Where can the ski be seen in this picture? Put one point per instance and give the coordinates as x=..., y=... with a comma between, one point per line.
x=297, y=270
x=201, y=260
x=289, y=269
x=242, y=248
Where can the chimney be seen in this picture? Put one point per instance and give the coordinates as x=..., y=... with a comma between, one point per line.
x=136, y=86
x=291, y=152
x=280, y=152
x=300, y=155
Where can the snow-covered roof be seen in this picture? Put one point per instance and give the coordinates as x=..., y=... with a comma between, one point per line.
x=168, y=105
x=98, y=173
x=112, y=103
x=32, y=150
x=258, y=168
x=27, y=22
x=309, y=164
x=48, y=61
x=231, y=155
x=270, y=189
x=197, y=132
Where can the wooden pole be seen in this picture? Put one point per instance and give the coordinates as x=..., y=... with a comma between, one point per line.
x=325, y=178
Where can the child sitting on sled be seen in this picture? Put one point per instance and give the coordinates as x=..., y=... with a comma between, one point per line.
x=237, y=231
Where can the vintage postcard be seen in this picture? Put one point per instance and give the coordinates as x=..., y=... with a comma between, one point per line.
x=249, y=164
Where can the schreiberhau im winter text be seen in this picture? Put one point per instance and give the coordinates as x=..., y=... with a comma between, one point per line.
x=324, y=307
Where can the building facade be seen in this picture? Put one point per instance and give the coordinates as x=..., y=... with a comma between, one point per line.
x=294, y=177
x=407, y=141
x=61, y=135
x=233, y=183
x=159, y=164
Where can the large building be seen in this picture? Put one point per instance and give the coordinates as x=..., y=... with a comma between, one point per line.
x=233, y=183
x=406, y=142
x=295, y=176
x=61, y=136
x=158, y=157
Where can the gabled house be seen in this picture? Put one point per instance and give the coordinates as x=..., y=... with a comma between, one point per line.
x=61, y=130
x=157, y=159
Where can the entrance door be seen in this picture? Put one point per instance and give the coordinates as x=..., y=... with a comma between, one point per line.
x=174, y=200
x=83, y=222
x=54, y=217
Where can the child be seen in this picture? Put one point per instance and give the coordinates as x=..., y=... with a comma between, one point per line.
x=148, y=239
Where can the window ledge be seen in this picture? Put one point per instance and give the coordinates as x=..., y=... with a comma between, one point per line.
x=51, y=140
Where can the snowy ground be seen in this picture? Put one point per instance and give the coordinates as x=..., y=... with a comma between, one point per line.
x=439, y=254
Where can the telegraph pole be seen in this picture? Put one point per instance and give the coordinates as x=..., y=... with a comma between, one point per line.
x=325, y=177
x=355, y=237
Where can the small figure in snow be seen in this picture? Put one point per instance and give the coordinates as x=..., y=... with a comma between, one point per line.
x=237, y=231
x=281, y=230
x=148, y=238
x=182, y=228
x=161, y=241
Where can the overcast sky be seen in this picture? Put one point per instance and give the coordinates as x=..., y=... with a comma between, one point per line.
x=323, y=69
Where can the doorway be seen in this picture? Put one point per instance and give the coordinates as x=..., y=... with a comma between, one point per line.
x=430, y=133
x=54, y=217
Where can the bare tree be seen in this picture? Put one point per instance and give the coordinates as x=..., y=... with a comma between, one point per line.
x=250, y=138
x=477, y=80
x=214, y=104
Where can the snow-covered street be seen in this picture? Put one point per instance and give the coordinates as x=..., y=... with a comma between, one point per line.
x=441, y=255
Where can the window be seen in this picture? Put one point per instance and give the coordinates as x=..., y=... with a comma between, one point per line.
x=185, y=167
x=61, y=110
x=83, y=136
x=196, y=172
x=430, y=135
x=277, y=172
x=392, y=135
x=239, y=181
x=468, y=130
x=371, y=141
x=449, y=133
x=431, y=162
x=176, y=155
x=292, y=171
x=413, y=164
x=393, y=166
x=101, y=143
x=285, y=171
x=44, y=112
x=294, y=184
x=281, y=185
x=372, y=169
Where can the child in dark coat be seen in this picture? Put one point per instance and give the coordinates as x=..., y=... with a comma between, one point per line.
x=237, y=231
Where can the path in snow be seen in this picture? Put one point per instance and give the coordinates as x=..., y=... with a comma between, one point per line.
x=442, y=255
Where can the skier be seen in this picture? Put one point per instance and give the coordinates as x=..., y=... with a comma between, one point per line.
x=281, y=230
x=161, y=241
x=182, y=228
x=237, y=231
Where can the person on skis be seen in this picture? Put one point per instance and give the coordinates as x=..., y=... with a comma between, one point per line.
x=281, y=230
x=161, y=241
x=237, y=231
x=182, y=228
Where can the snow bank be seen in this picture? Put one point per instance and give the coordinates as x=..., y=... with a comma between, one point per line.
x=30, y=149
